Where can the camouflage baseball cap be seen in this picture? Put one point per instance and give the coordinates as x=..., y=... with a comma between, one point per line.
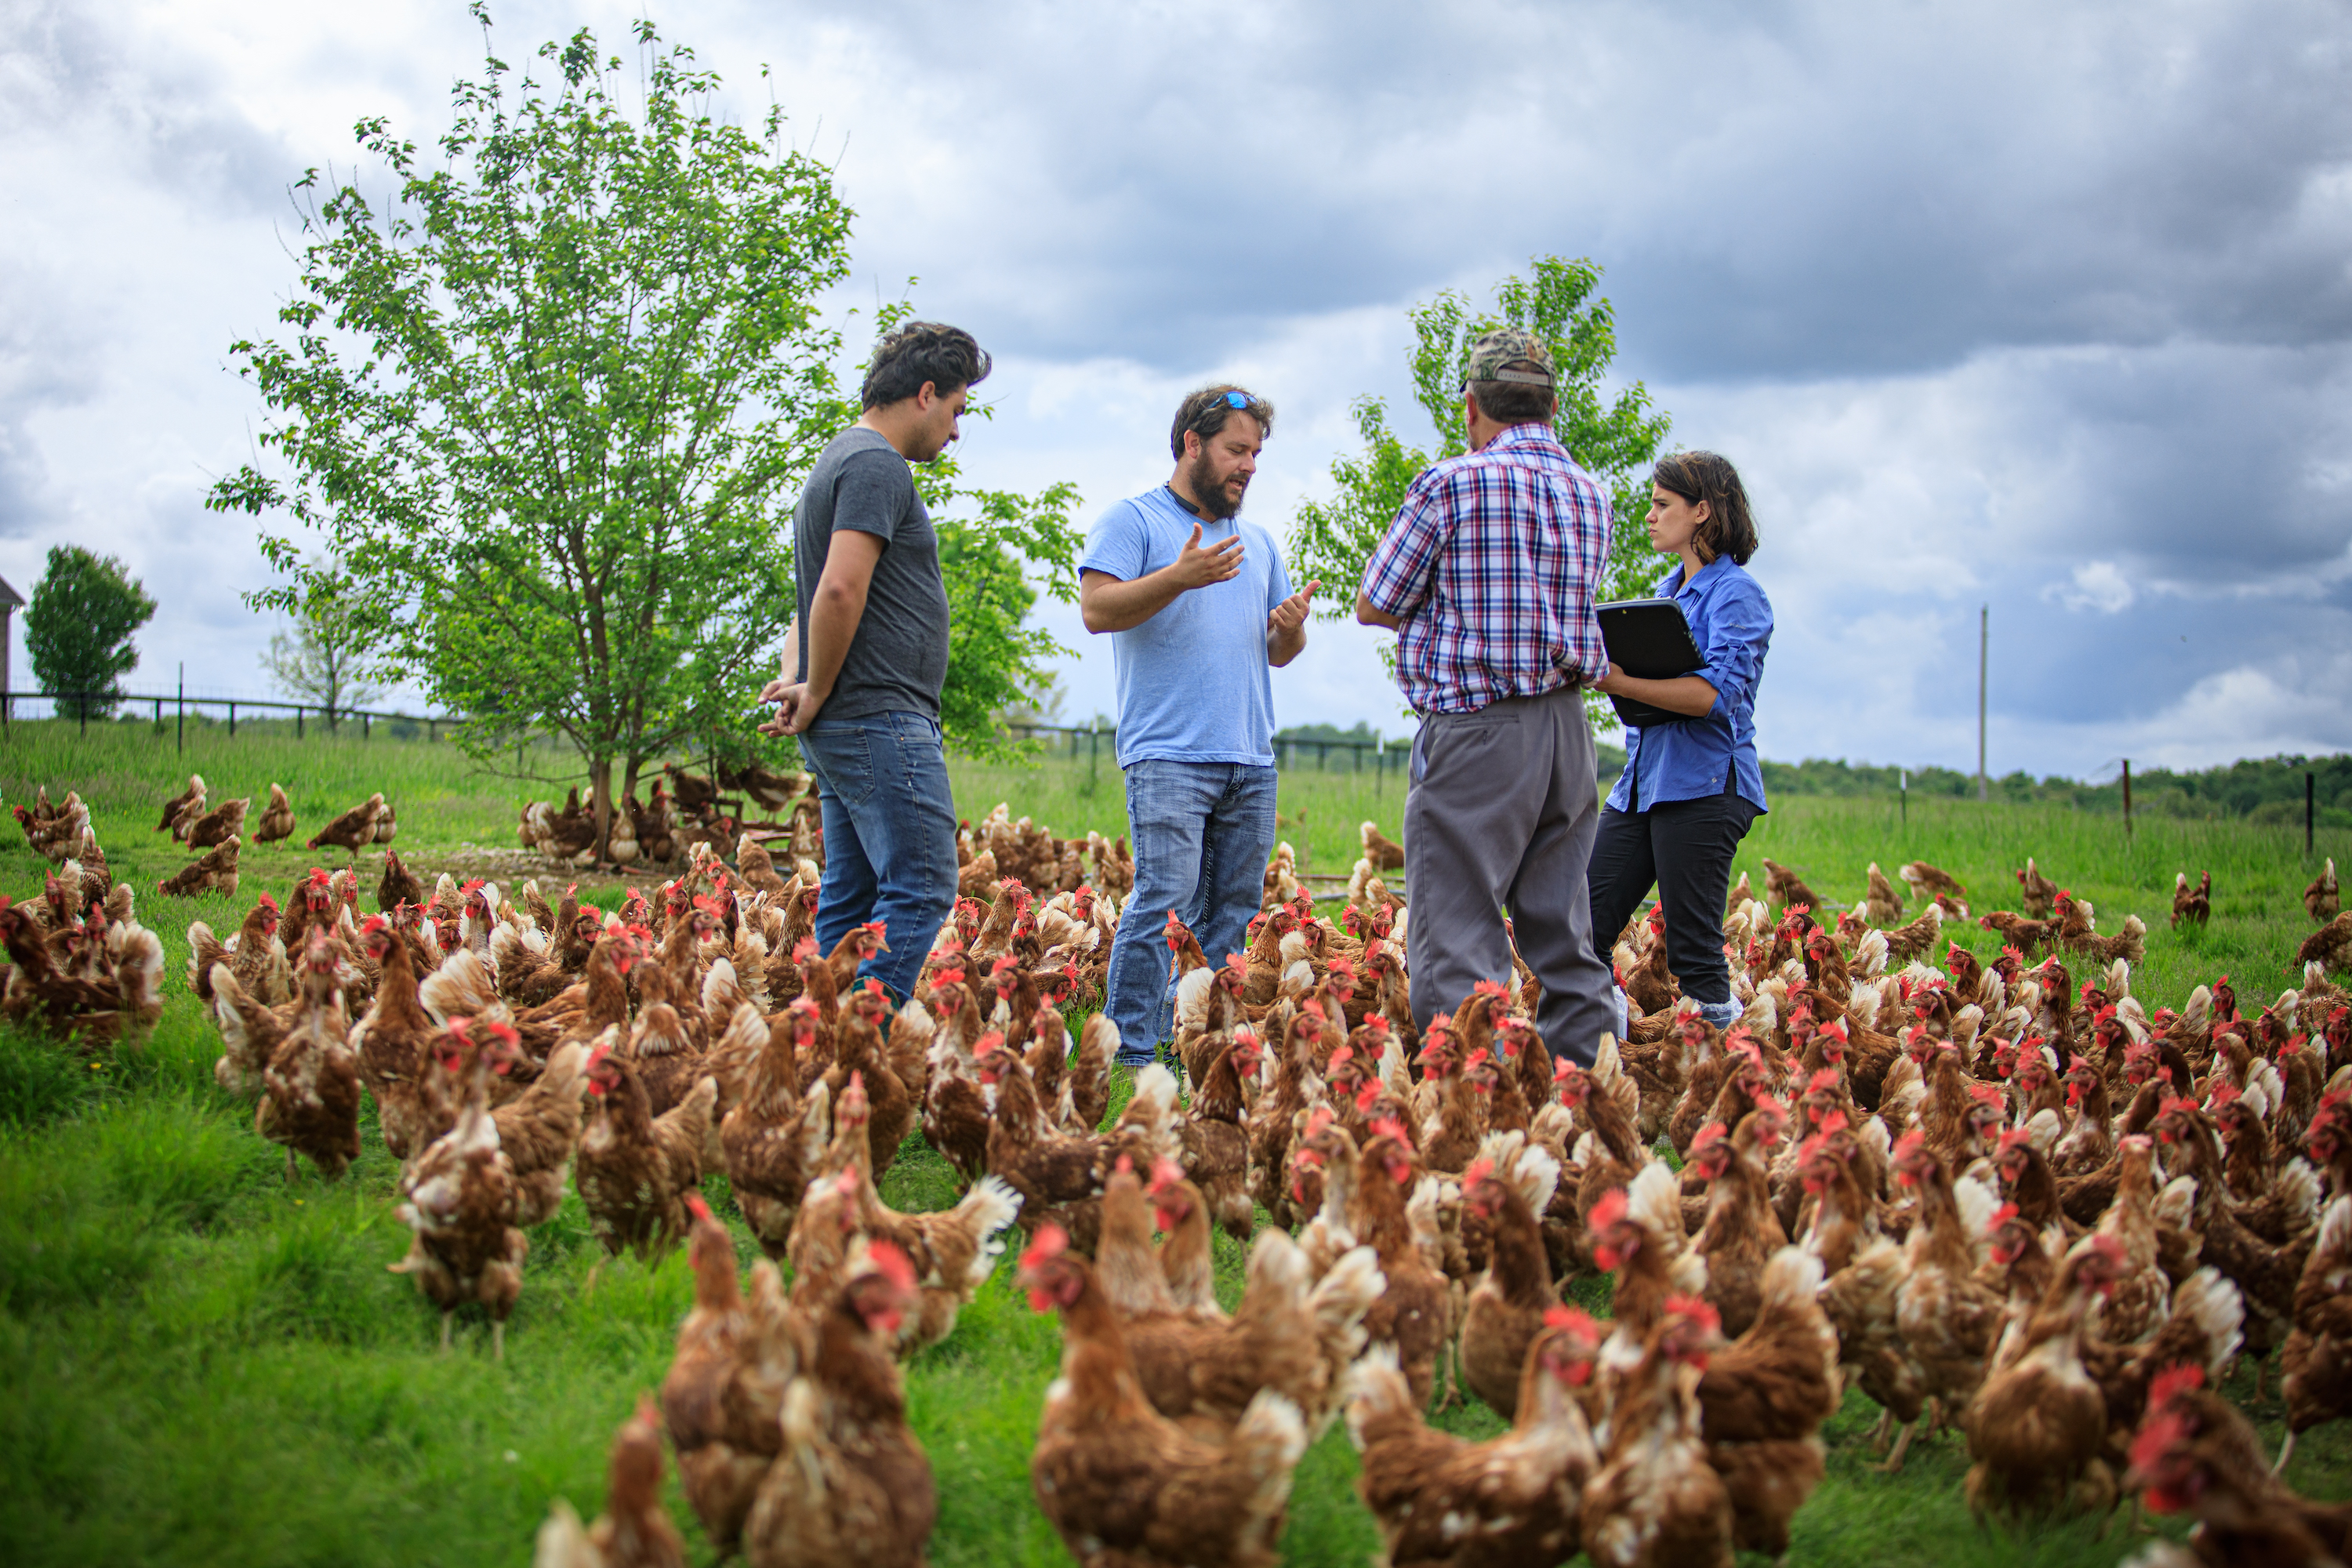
x=1492, y=356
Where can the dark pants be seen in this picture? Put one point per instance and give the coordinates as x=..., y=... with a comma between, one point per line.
x=1684, y=850
x=1501, y=816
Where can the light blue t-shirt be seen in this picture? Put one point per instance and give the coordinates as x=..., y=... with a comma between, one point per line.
x=1192, y=680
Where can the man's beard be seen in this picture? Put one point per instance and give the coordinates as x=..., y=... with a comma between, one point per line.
x=1211, y=496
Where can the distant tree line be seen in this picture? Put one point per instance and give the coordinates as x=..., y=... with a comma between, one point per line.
x=1362, y=734
x=1608, y=761
x=2266, y=789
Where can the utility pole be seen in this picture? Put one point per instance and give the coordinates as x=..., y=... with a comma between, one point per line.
x=1984, y=635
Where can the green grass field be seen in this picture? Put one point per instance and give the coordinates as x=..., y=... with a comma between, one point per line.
x=206, y=1364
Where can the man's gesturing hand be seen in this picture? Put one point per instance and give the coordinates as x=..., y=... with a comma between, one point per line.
x=1285, y=619
x=1197, y=568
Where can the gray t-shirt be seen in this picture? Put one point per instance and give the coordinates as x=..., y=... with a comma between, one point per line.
x=898, y=659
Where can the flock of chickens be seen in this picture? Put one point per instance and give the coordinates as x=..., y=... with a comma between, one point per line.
x=664, y=830
x=80, y=961
x=2001, y=1202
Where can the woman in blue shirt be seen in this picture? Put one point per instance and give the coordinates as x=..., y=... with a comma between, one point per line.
x=1690, y=788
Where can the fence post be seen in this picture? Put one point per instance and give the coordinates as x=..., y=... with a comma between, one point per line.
x=159, y=715
x=181, y=744
x=364, y=726
x=432, y=731
x=2126, y=797
x=298, y=720
x=2310, y=810
x=232, y=721
x=83, y=708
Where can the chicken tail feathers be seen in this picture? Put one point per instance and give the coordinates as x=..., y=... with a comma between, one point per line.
x=1266, y=1445
x=2301, y=1187
x=563, y=1542
x=990, y=1206
x=1791, y=1280
x=683, y=1128
x=1377, y=1394
x=2213, y=1305
x=1348, y=1291
x=1277, y=1274
x=461, y=988
x=239, y=1068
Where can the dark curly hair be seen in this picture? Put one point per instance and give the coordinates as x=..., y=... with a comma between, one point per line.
x=1729, y=528
x=918, y=352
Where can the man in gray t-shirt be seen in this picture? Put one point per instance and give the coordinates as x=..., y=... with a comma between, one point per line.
x=865, y=659
x=898, y=658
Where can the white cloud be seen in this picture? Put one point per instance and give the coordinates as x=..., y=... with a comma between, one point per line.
x=2096, y=585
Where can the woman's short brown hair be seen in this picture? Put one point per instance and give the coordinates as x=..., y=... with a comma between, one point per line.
x=1729, y=528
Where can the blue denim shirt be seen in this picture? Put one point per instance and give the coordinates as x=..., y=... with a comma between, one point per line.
x=1731, y=621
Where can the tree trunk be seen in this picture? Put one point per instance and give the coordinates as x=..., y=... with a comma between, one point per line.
x=600, y=781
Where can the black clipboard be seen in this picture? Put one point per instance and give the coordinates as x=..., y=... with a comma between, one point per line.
x=1649, y=640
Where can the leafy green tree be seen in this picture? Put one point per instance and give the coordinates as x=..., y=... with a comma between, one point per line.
x=78, y=628
x=1615, y=439
x=318, y=657
x=995, y=659
x=546, y=412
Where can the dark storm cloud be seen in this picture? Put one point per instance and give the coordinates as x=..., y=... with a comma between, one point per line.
x=2202, y=467
x=1805, y=190
x=2009, y=177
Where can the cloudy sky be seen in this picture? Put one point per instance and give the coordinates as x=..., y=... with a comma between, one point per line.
x=2048, y=307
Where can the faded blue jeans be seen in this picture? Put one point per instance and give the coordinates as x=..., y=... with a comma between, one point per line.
x=889, y=837
x=1202, y=832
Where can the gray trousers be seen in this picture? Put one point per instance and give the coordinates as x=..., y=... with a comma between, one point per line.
x=1502, y=816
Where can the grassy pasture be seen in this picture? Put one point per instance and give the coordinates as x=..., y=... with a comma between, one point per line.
x=206, y=1364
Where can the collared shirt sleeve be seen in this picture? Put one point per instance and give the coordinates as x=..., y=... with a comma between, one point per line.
x=1403, y=569
x=1739, y=625
x=1118, y=546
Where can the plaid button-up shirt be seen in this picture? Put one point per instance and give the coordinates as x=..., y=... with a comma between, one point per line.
x=1490, y=569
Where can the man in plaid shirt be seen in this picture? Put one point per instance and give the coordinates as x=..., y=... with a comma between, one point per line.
x=1487, y=575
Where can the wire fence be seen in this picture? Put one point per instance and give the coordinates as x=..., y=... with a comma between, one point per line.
x=175, y=707
x=1376, y=757
x=171, y=711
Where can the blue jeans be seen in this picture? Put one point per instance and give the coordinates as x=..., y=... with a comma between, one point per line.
x=889, y=837
x=1202, y=832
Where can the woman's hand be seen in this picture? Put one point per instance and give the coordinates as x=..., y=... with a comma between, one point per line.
x=1688, y=695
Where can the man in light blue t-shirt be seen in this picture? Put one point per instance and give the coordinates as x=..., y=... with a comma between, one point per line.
x=1199, y=609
